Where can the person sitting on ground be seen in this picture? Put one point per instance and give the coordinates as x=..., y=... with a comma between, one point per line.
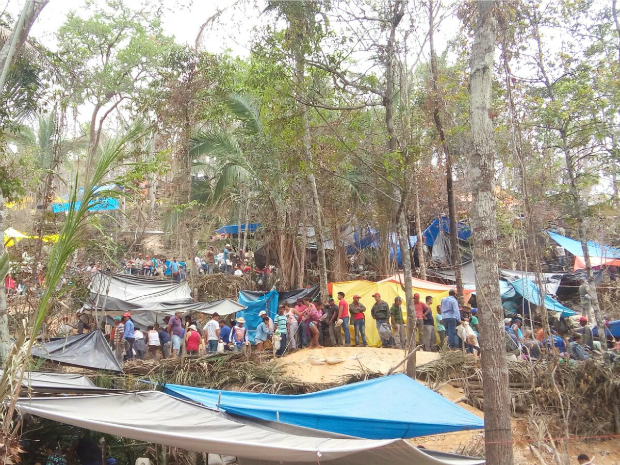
x=583, y=459
x=531, y=345
x=153, y=341
x=224, y=334
x=192, y=341
x=577, y=350
x=586, y=331
x=140, y=344
x=262, y=333
x=239, y=335
x=164, y=339
x=211, y=332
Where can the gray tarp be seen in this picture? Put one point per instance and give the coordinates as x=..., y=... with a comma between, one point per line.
x=191, y=427
x=139, y=288
x=89, y=350
x=59, y=383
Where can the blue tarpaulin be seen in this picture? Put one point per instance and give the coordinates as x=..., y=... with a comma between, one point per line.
x=527, y=289
x=432, y=231
x=234, y=229
x=255, y=303
x=384, y=408
x=612, y=328
x=594, y=248
x=99, y=204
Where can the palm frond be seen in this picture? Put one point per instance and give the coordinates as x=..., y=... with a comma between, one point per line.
x=245, y=110
x=214, y=144
x=231, y=175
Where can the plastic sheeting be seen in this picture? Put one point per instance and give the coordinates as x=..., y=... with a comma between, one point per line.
x=530, y=292
x=599, y=254
x=234, y=229
x=551, y=280
x=191, y=427
x=407, y=408
x=59, y=383
x=139, y=288
x=443, y=223
x=289, y=297
x=89, y=350
x=255, y=304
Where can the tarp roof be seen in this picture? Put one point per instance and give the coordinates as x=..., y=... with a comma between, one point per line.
x=599, y=254
x=550, y=280
x=408, y=409
x=234, y=228
x=422, y=284
x=89, y=350
x=59, y=383
x=530, y=292
x=139, y=288
x=432, y=231
x=191, y=427
x=288, y=296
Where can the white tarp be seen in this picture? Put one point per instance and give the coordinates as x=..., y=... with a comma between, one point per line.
x=139, y=289
x=191, y=427
x=59, y=383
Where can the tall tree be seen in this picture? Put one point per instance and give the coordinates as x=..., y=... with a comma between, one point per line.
x=498, y=433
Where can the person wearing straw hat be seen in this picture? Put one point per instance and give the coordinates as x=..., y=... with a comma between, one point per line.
x=239, y=335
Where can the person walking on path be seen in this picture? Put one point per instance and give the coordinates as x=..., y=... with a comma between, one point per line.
x=357, y=309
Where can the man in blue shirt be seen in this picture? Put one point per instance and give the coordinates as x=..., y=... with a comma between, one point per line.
x=224, y=334
x=174, y=268
x=128, y=335
x=451, y=316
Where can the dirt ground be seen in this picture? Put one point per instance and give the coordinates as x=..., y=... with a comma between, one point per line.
x=354, y=359
x=298, y=365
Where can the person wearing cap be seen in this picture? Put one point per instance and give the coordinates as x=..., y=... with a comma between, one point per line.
x=420, y=308
x=239, y=335
x=117, y=337
x=211, y=333
x=262, y=332
x=357, y=309
x=175, y=329
x=586, y=331
x=451, y=317
x=398, y=323
x=270, y=325
x=192, y=341
x=128, y=335
x=380, y=311
x=335, y=336
x=343, y=314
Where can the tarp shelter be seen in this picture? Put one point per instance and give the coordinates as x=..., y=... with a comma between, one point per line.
x=139, y=288
x=255, y=304
x=550, y=280
x=389, y=289
x=443, y=224
x=59, y=383
x=89, y=350
x=468, y=274
x=529, y=291
x=350, y=409
x=291, y=296
x=613, y=328
x=599, y=254
x=195, y=428
x=234, y=228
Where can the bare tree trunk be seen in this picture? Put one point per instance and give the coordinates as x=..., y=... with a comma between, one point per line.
x=420, y=241
x=5, y=338
x=455, y=254
x=307, y=150
x=498, y=433
x=18, y=37
x=247, y=223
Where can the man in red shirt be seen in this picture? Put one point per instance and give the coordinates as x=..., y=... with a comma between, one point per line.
x=343, y=314
x=420, y=308
x=359, y=324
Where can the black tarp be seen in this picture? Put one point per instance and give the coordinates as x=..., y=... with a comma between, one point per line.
x=89, y=350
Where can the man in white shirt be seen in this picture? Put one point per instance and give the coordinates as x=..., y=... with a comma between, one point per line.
x=211, y=333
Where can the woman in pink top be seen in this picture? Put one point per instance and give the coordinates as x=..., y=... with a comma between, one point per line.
x=313, y=316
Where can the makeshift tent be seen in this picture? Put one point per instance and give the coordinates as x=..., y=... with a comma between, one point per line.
x=468, y=274
x=255, y=304
x=550, y=280
x=599, y=254
x=529, y=291
x=234, y=229
x=191, y=427
x=289, y=297
x=89, y=350
x=139, y=288
x=351, y=409
x=59, y=383
x=443, y=224
x=389, y=289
